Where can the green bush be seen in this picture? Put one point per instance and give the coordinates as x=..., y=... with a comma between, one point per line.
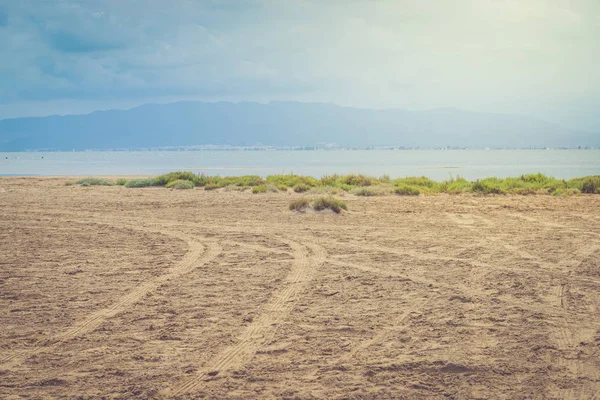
x=299, y=204
x=121, y=182
x=330, y=180
x=240, y=181
x=566, y=192
x=301, y=188
x=591, y=184
x=478, y=186
x=348, y=182
x=165, y=179
x=141, y=183
x=352, y=181
x=357, y=180
x=535, y=178
x=93, y=182
x=417, y=181
x=488, y=186
x=202, y=180
x=380, y=190
x=329, y=202
x=248, y=180
x=211, y=186
x=180, y=184
x=363, y=191
x=259, y=189
x=454, y=186
x=292, y=180
x=406, y=190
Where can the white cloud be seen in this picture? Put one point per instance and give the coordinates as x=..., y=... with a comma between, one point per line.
x=385, y=53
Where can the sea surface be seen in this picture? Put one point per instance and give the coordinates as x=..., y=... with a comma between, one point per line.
x=435, y=164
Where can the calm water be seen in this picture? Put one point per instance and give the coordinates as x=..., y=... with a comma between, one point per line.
x=436, y=164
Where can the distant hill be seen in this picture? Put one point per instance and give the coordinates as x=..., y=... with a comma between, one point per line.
x=283, y=124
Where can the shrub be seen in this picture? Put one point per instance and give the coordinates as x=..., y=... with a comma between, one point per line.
x=385, y=179
x=93, y=182
x=211, y=186
x=535, y=178
x=371, y=190
x=301, y=188
x=363, y=191
x=299, y=204
x=141, y=183
x=121, y=182
x=329, y=202
x=273, y=189
x=454, y=186
x=259, y=189
x=165, y=179
x=351, y=181
x=417, y=181
x=357, y=180
x=406, y=190
x=246, y=180
x=330, y=180
x=591, y=184
x=202, y=180
x=292, y=180
x=566, y=192
x=488, y=186
x=180, y=184
x=478, y=186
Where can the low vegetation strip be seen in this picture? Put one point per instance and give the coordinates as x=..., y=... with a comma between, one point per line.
x=141, y=182
x=180, y=184
x=93, y=182
x=362, y=185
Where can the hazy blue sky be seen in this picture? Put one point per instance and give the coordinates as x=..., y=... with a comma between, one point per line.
x=529, y=56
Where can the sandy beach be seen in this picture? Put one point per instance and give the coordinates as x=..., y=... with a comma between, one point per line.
x=116, y=293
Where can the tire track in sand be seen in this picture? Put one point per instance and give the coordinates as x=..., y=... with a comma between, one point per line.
x=385, y=332
x=561, y=269
x=257, y=247
x=253, y=337
x=567, y=342
x=196, y=255
x=566, y=228
x=566, y=335
x=398, y=322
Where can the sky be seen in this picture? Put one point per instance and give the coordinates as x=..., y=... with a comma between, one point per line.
x=532, y=57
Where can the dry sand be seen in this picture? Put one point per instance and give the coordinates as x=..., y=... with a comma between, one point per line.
x=107, y=292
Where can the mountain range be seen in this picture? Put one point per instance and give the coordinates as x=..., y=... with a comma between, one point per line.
x=283, y=124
